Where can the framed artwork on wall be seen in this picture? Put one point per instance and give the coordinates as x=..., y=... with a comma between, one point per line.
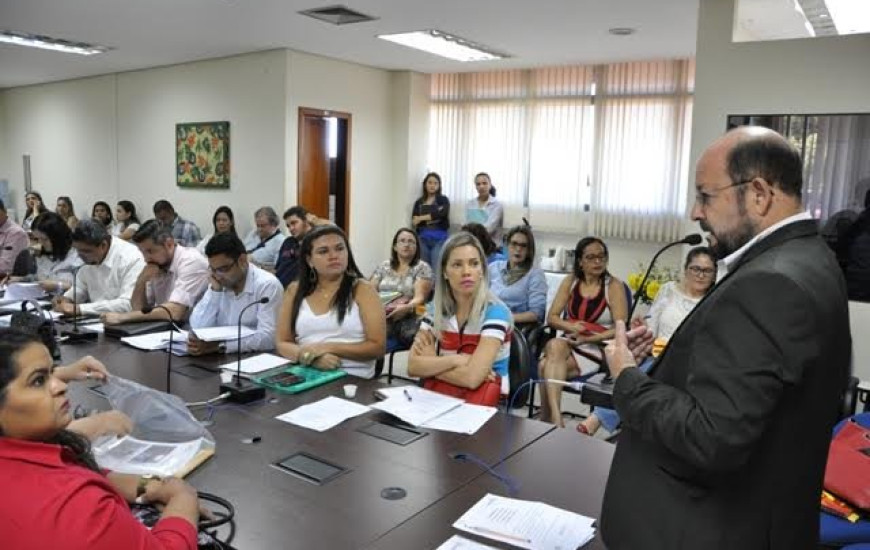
x=202, y=154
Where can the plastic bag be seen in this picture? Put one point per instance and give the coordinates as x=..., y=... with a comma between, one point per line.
x=166, y=438
x=156, y=415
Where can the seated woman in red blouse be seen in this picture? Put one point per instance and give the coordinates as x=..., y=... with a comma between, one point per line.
x=55, y=496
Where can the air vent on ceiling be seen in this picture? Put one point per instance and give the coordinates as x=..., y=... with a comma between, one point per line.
x=337, y=15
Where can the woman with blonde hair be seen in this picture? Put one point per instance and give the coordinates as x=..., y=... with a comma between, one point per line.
x=464, y=340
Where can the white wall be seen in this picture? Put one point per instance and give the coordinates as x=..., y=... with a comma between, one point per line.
x=68, y=129
x=818, y=75
x=247, y=91
x=364, y=92
x=113, y=137
x=4, y=166
x=411, y=140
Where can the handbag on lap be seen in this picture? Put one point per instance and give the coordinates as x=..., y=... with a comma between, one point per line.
x=847, y=473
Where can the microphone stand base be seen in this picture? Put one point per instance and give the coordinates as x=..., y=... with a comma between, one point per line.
x=73, y=336
x=243, y=391
x=598, y=391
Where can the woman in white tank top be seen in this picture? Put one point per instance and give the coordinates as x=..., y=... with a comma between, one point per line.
x=331, y=318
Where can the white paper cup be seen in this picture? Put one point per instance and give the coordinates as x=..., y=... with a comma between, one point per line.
x=350, y=391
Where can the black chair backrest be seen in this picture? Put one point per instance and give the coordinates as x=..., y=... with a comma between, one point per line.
x=519, y=369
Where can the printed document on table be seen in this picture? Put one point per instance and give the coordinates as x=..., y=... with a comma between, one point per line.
x=257, y=363
x=129, y=455
x=464, y=419
x=324, y=414
x=159, y=341
x=416, y=405
x=526, y=524
x=23, y=291
x=221, y=334
x=461, y=543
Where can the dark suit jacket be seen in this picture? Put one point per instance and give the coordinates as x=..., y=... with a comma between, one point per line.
x=724, y=443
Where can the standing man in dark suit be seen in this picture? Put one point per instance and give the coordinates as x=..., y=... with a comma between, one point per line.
x=724, y=442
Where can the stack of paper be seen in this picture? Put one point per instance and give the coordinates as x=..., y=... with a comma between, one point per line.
x=415, y=405
x=159, y=341
x=461, y=543
x=221, y=334
x=526, y=524
x=23, y=291
x=428, y=409
x=257, y=364
x=323, y=414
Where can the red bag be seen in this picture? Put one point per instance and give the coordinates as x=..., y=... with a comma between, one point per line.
x=847, y=474
x=486, y=394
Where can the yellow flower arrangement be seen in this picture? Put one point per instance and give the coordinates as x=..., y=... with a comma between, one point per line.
x=657, y=278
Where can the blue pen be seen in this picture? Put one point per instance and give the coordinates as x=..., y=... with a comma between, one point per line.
x=408, y=395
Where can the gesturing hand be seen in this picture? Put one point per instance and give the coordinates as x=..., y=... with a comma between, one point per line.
x=618, y=352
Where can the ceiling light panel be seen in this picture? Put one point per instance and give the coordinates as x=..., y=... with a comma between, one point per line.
x=49, y=43
x=445, y=45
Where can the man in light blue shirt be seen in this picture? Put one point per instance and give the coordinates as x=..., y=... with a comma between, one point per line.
x=234, y=284
x=264, y=242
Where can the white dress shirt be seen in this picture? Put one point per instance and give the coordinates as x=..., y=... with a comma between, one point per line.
x=725, y=264
x=108, y=287
x=54, y=270
x=183, y=283
x=222, y=308
x=267, y=254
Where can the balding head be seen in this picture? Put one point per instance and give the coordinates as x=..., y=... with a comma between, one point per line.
x=750, y=152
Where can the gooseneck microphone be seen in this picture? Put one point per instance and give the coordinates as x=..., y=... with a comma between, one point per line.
x=148, y=309
x=75, y=335
x=691, y=240
x=242, y=390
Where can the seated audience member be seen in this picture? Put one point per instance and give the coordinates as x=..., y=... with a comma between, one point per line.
x=127, y=222
x=584, y=310
x=234, y=284
x=102, y=212
x=491, y=249
x=13, y=239
x=264, y=241
x=299, y=222
x=404, y=273
x=56, y=259
x=854, y=250
x=517, y=282
x=673, y=303
x=174, y=277
x=64, y=209
x=56, y=495
x=223, y=221
x=472, y=326
x=331, y=317
x=485, y=208
x=95, y=425
x=33, y=206
x=185, y=232
x=431, y=218
x=106, y=281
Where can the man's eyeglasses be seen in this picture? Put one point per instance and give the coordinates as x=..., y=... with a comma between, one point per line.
x=704, y=198
x=224, y=269
x=701, y=271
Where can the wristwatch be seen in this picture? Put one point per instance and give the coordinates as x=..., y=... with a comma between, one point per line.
x=145, y=480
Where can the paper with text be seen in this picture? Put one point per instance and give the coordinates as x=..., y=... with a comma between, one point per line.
x=324, y=414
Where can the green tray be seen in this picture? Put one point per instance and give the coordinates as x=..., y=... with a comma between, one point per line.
x=313, y=378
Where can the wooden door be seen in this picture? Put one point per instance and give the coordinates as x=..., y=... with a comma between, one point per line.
x=313, y=172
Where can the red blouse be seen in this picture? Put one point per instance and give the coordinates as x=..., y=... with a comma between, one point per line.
x=50, y=502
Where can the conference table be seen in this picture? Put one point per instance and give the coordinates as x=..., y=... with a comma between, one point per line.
x=276, y=510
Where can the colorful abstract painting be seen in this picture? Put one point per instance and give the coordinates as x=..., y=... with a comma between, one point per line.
x=202, y=154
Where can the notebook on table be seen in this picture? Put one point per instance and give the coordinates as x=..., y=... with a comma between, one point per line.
x=134, y=329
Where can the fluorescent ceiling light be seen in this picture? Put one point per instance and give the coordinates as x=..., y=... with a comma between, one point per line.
x=48, y=43
x=444, y=44
x=850, y=16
